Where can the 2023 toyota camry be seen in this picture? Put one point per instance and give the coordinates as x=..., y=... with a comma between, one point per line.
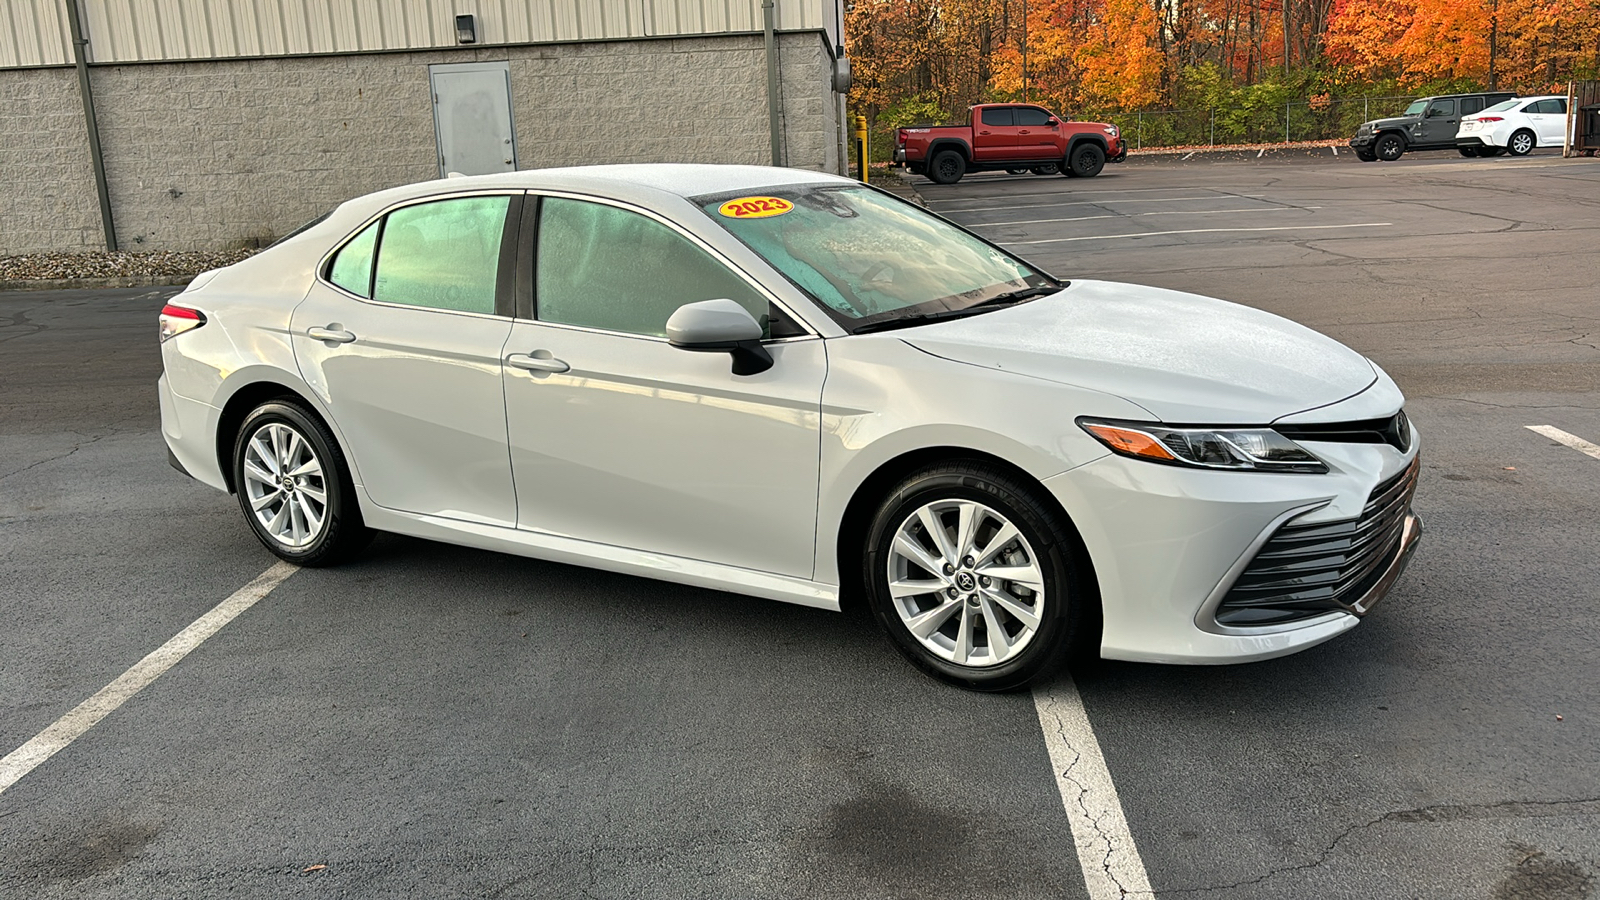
x=794, y=386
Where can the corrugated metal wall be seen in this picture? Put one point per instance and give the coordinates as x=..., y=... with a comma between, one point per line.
x=34, y=32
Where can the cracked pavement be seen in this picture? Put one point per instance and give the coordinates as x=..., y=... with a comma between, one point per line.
x=434, y=721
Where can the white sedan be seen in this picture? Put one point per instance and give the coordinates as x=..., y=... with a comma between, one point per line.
x=795, y=386
x=1515, y=127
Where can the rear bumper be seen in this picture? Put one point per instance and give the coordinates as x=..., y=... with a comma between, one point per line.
x=899, y=156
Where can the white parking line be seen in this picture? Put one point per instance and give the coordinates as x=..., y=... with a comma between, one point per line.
x=1571, y=440
x=1004, y=202
x=1107, y=237
x=1085, y=203
x=1173, y=212
x=74, y=724
x=1112, y=867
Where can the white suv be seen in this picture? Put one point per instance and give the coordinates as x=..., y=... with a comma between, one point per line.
x=1514, y=126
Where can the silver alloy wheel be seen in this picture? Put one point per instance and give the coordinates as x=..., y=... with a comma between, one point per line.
x=285, y=486
x=966, y=583
x=1521, y=143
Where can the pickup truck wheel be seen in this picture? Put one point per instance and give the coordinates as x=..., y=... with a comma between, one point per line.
x=1086, y=161
x=946, y=167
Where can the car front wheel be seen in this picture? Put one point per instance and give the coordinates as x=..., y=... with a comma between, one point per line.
x=1390, y=147
x=971, y=575
x=1086, y=161
x=294, y=487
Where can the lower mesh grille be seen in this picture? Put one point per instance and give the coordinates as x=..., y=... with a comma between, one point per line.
x=1304, y=571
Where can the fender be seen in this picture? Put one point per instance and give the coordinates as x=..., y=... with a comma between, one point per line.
x=255, y=375
x=1077, y=139
x=948, y=143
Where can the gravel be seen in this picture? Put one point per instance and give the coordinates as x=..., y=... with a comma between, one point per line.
x=101, y=264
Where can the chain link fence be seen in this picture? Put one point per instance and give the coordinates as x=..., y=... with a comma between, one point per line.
x=1299, y=120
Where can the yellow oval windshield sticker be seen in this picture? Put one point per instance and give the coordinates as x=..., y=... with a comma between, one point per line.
x=755, y=207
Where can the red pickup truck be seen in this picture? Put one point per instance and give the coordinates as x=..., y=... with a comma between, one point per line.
x=1011, y=136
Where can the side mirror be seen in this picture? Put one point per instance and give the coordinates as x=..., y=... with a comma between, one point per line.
x=1053, y=122
x=720, y=326
x=1431, y=113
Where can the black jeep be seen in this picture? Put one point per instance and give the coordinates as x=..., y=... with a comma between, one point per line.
x=1427, y=124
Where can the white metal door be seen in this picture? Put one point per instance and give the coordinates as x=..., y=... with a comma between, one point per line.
x=472, y=118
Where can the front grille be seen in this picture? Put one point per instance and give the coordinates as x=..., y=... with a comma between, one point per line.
x=1307, y=570
x=1394, y=431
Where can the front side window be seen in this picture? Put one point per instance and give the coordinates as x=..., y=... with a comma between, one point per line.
x=443, y=255
x=616, y=270
x=1442, y=108
x=1032, y=116
x=866, y=257
x=999, y=117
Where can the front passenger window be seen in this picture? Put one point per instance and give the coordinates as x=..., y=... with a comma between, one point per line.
x=615, y=270
x=1442, y=108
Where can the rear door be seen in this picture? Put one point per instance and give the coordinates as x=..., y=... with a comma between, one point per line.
x=1037, y=137
x=401, y=337
x=994, y=134
x=1549, y=120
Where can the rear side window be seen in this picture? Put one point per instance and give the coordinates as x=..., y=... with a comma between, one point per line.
x=442, y=255
x=1470, y=105
x=999, y=116
x=1547, y=107
x=1028, y=115
x=352, y=267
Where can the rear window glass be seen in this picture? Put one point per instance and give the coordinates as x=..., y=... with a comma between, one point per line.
x=997, y=116
x=1503, y=105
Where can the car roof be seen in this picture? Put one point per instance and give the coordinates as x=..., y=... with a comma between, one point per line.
x=641, y=183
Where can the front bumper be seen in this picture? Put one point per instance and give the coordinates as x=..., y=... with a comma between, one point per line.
x=1169, y=543
x=1122, y=152
x=1361, y=141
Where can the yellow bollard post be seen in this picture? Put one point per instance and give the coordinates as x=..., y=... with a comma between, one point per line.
x=861, y=144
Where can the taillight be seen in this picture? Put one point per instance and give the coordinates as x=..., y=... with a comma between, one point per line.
x=899, y=138
x=1491, y=118
x=175, y=320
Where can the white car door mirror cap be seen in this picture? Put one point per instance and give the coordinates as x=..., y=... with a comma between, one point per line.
x=712, y=324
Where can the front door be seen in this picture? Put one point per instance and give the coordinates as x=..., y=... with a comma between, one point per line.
x=620, y=438
x=401, y=338
x=472, y=118
x=1439, y=123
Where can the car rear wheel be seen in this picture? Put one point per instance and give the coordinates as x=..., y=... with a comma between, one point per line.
x=947, y=167
x=970, y=573
x=1085, y=161
x=1521, y=143
x=294, y=487
x=1389, y=147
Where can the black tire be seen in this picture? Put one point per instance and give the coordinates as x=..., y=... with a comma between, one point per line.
x=1389, y=147
x=947, y=167
x=1064, y=630
x=1498, y=151
x=1521, y=142
x=1365, y=156
x=1016, y=171
x=1046, y=169
x=1085, y=161
x=343, y=532
x=1470, y=152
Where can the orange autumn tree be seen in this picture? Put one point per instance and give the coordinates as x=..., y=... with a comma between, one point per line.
x=1096, y=54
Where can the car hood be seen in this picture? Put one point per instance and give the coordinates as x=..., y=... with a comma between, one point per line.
x=1397, y=121
x=1183, y=357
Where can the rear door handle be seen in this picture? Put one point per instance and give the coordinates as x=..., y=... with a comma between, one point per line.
x=533, y=363
x=333, y=334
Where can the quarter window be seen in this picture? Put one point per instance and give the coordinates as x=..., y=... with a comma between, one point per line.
x=999, y=117
x=612, y=269
x=443, y=255
x=352, y=267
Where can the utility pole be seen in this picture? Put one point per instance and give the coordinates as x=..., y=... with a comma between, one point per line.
x=1025, y=51
x=1494, y=41
x=80, y=60
x=1285, y=39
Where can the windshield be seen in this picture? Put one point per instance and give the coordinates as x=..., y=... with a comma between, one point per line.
x=867, y=257
x=1503, y=105
x=1416, y=108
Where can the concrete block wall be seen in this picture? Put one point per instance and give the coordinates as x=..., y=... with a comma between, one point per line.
x=47, y=195
x=216, y=154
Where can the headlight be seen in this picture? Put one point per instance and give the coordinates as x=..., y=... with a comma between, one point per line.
x=1111, y=130
x=1251, y=449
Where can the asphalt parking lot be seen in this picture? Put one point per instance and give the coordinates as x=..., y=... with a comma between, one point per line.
x=432, y=721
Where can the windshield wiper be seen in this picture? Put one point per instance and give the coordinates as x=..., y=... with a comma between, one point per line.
x=1006, y=299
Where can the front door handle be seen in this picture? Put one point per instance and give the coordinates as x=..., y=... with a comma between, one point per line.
x=535, y=363
x=333, y=334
